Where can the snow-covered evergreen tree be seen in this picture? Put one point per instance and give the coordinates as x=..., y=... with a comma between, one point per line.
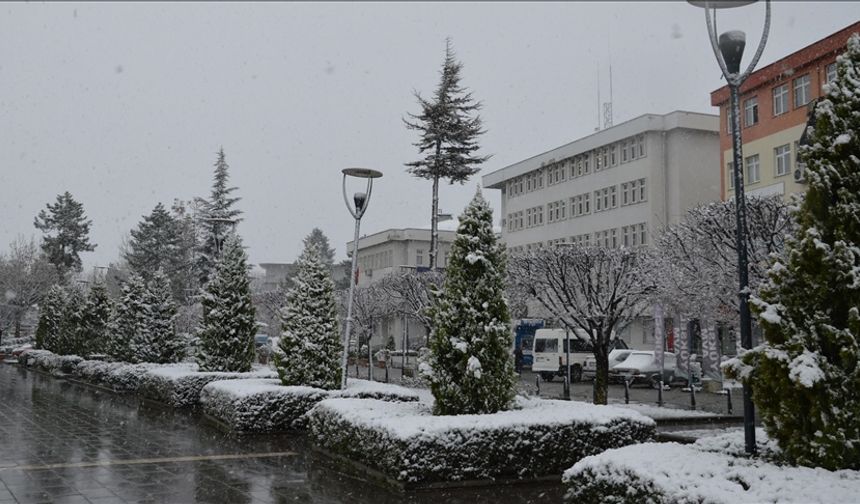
x=470, y=366
x=51, y=311
x=449, y=127
x=309, y=350
x=318, y=238
x=94, y=320
x=227, y=334
x=806, y=376
x=215, y=214
x=128, y=320
x=158, y=341
x=70, y=339
x=67, y=232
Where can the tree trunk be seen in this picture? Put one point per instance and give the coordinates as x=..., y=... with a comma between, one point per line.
x=434, y=225
x=601, y=378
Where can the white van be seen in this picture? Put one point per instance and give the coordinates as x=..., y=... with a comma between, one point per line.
x=550, y=348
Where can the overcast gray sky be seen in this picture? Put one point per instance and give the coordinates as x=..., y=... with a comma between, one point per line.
x=126, y=104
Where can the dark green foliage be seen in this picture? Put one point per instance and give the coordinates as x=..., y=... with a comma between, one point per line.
x=66, y=231
x=470, y=366
x=806, y=377
x=320, y=240
x=218, y=218
x=227, y=335
x=95, y=317
x=70, y=339
x=160, y=242
x=51, y=318
x=127, y=320
x=309, y=351
x=157, y=341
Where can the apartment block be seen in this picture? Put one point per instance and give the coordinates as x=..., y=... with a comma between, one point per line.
x=616, y=187
x=774, y=103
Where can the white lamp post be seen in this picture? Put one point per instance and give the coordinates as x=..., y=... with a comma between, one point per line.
x=360, y=202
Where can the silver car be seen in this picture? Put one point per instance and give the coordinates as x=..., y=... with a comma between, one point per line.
x=615, y=357
x=642, y=367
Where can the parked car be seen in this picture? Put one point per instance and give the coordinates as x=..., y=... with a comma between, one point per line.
x=642, y=367
x=615, y=357
x=550, y=353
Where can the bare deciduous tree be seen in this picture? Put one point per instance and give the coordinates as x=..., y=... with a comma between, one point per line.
x=25, y=276
x=590, y=290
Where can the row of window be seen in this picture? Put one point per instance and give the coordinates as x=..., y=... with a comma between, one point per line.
x=572, y=167
x=802, y=87
x=752, y=165
x=633, y=192
x=634, y=235
x=383, y=259
x=419, y=258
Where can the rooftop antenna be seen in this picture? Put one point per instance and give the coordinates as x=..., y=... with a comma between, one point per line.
x=597, y=128
x=607, y=107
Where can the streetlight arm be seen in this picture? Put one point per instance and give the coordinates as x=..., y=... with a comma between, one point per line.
x=761, y=43
x=346, y=200
x=712, y=37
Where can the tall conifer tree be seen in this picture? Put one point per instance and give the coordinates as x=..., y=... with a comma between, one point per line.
x=470, y=365
x=449, y=127
x=218, y=218
x=67, y=231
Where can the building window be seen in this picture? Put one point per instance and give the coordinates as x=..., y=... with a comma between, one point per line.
x=613, y=154
x=753, y=171
x=782, y=157
x=624, y=147
x=801, y=90
x=731, y=173
x=643, y=234
x=830, y=73
x=640, y=145
x=419, y=257
x=625, y=192
x=780, y=100
x=751, y=111
x=613, y=237
x=613, y=197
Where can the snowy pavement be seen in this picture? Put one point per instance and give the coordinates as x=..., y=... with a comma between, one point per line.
x=67, y=443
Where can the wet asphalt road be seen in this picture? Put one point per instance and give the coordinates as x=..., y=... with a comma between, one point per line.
x=66, y=443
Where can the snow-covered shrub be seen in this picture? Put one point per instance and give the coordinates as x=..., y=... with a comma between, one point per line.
x=805, y=376
x=471, y=368
x=69, y=362
x=265, y=405
x=121, y=377
x=226, y=338
x=670, y=473
x=180, y=386
x=410, y=445
x=309, y=350
x=44, y=360
x=259, y=405
x=95, y=372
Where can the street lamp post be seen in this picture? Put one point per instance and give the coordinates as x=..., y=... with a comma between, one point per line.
x=360, y=200
x=728, y=49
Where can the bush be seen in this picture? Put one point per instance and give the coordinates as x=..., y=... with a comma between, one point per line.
x=411, y=446
x=259, y=405
x=670, y=473
x=180, y=387
x=268, y=406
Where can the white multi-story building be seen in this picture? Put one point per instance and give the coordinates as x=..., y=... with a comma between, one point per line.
x=613, y=188
x=616, y=187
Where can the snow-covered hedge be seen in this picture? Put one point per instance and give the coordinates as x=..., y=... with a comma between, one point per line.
x=43, y=360
x=658, y=473
x=121, y=377
x=261, y=405
x=180, y=386
x=410, y=446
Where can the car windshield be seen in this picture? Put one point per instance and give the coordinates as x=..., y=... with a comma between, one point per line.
x=618, y=357
x=547, y=345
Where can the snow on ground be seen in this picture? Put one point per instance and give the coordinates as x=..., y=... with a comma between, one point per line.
x=686, y=473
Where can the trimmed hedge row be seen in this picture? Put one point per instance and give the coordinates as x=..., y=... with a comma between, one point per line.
x=267, y=406
x=181, y=388
x=412, y=447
